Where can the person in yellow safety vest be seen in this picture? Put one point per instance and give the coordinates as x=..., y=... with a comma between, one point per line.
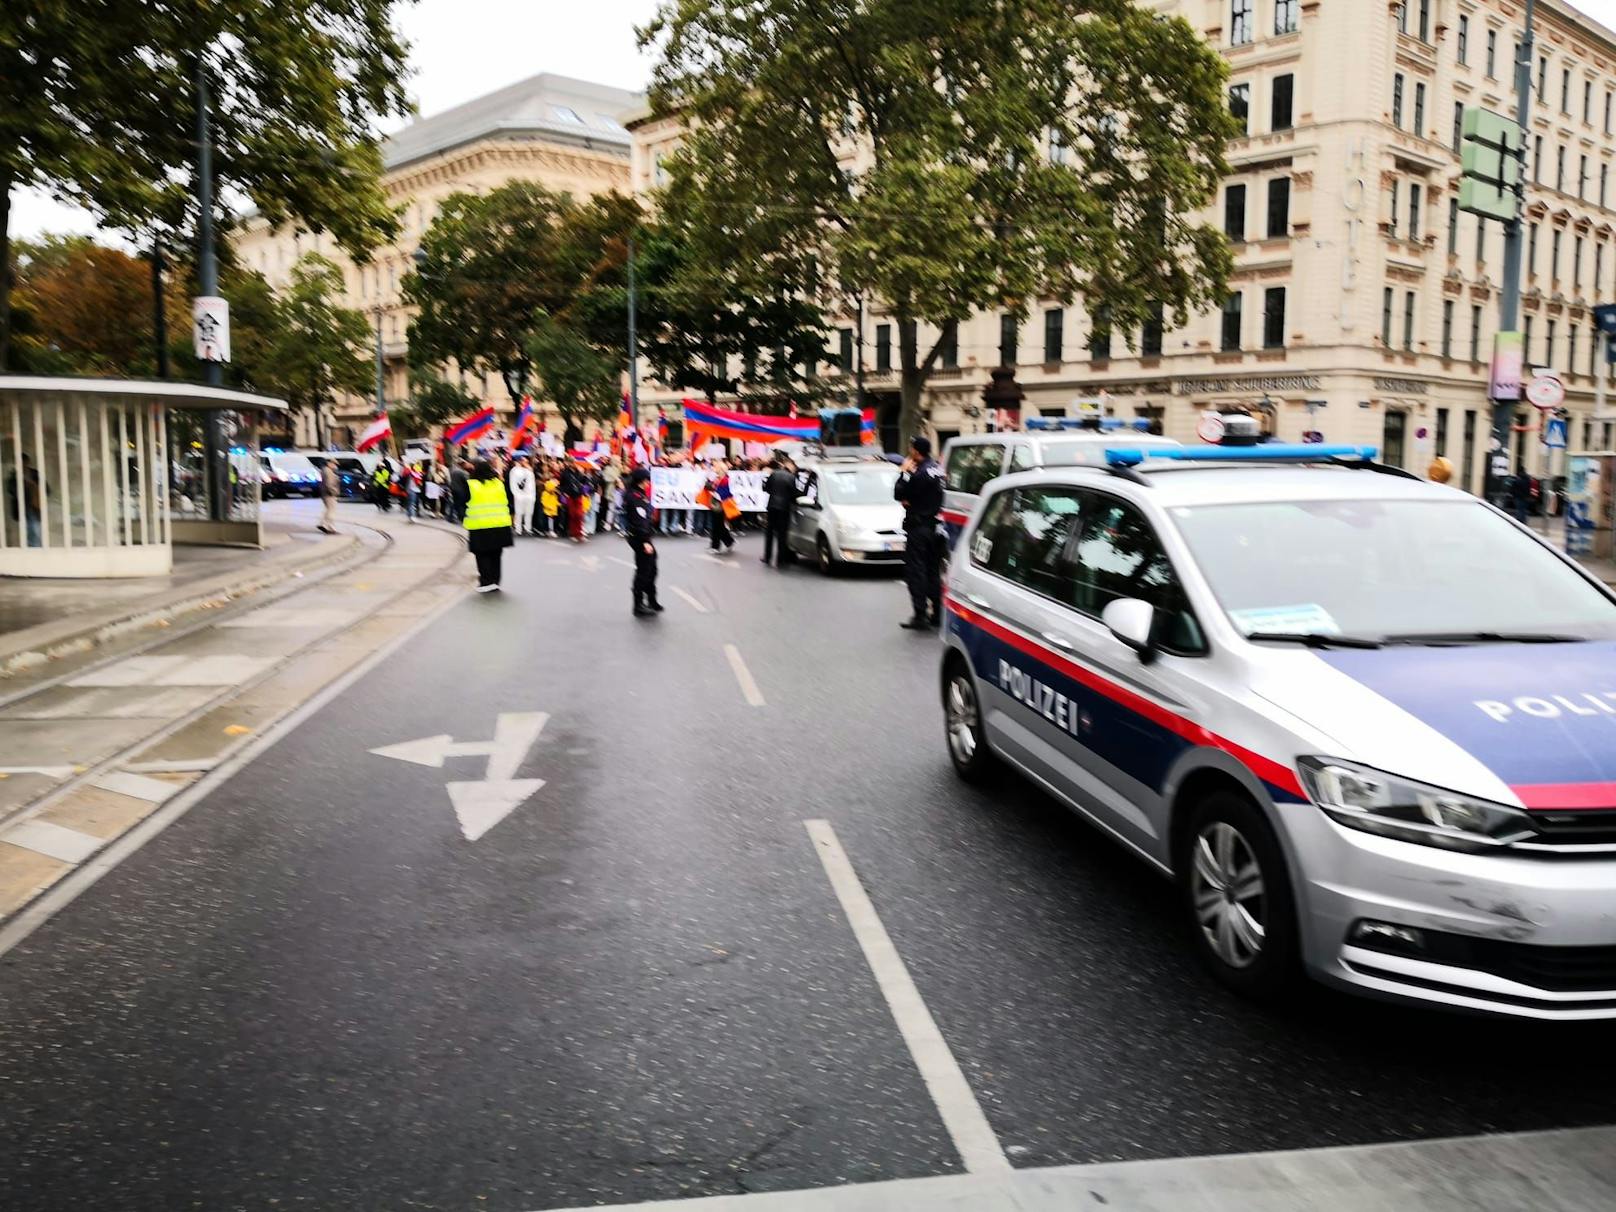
x=488, y=523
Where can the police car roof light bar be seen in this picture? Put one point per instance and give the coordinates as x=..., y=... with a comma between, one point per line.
x=1273, y=452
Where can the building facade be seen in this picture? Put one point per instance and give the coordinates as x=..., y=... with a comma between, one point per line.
x=1363, y=304
x=565, y=134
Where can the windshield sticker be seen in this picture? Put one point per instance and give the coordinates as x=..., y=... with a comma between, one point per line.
x=981, y=548
x=1306, y=618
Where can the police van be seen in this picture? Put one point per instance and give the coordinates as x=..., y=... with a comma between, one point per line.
x=1365, y=722
x=969, y=462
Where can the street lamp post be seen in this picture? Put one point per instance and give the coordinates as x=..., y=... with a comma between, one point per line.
x=207, y=272
x=381, y=396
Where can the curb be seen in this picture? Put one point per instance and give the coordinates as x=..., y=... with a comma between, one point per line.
x=32, y=647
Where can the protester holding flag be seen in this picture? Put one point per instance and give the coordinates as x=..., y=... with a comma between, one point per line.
x=377, y=432
x=722, y=507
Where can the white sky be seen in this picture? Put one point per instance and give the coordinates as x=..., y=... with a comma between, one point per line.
x=461, y=49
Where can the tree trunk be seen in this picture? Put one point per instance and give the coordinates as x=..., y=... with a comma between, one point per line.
x=5, y=275
x=912, y=374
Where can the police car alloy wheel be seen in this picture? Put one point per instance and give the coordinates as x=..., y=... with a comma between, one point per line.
x=1238, y=896
x=823, y=557
x=962, y=716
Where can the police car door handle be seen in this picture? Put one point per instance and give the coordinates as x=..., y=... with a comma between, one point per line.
x=1060, y=641
x=979, y=603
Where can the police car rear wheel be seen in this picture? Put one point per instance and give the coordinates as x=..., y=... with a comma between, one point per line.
x=1242, y=914
x=967, y=747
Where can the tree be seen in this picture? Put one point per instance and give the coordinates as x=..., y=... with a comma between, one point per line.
x=435, y=400
x=487, y=264
x=947, y=156
x=84, y=308
x=99, y=108
x=578, y=376
x=315, y=349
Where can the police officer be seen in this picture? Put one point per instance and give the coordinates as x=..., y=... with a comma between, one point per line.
x=920, y=489
x=638, y=526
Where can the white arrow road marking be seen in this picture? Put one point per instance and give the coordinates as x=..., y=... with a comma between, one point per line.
x=621, y=560
x=480, y=806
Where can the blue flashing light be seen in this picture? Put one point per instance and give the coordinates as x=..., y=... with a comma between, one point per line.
x=1272, y=452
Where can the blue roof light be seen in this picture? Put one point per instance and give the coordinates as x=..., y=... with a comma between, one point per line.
x=1272, y=452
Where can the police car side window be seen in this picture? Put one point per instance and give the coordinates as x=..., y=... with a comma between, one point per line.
x=971, y=467
x=1117, y=555
x=1020, y=457
x=983, y=541
x=1032, y=534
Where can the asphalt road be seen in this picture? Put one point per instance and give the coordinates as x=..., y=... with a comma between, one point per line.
x=312, y=991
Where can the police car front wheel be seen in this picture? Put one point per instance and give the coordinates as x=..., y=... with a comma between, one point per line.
x=962, y=714
x=1237, y=893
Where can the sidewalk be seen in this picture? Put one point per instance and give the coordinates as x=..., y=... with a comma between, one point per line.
x=42, y=619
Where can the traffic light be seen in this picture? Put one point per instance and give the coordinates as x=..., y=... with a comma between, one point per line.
x=1491, y=159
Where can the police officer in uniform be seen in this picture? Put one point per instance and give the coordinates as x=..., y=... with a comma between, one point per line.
x=920, y=489
x=639, y=524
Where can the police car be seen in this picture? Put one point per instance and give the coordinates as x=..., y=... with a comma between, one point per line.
x=969, y=462
x=1366, y=723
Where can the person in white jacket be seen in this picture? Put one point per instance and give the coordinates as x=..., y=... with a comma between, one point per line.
x=524, y=495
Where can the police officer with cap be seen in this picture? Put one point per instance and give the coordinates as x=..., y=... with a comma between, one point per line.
x=920, y=489
x=639, y=523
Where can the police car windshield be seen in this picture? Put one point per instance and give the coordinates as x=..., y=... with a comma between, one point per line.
x=1388, y=570
x=871, y=485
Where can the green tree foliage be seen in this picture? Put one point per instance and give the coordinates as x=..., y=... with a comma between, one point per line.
x=434, y=401
x=317, y=346
x=577, y=375
x=98, y=106
x=945, y=156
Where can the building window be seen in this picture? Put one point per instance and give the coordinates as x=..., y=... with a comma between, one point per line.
x=1441, y=431
x=1531, y=248
x=1609, y=96
x=1587, y=100
x=1447, y=329
x=1402, y=16
x=1388, y=300
x=1492, y=54
x=1559, y=169
x=1240, y=22
x=1565, y=91
x=1231, y=322
x=844, y=354
x=1604, y=181
x=883, y=347
x=1458, y=127
x=1234, y=213
x=1419, y=110
x=1280, y=103
x=1150, y=336
x=1481, y=238
x=1413, y=211
x=1285, y=16
x=1408, y=321
x=1548, y=352
x=1537, y=160
x=1240, y=106
x=1273, y=318
x=1526, y=338
x=1397, y=100
x=1391, y=228
x=1100, y=336
x=1469, y=445
x=1475, y=334
x=1576, y=263
x=1453, y=226
x=1571, y=349
x=1554, y=258
x=1464, y=39
x=1279, y=208
x=1599, y=267
x=1543, y=79
x=1054, y=322
x=1009, y=339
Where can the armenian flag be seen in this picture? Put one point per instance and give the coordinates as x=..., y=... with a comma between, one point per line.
x=463, y=431
x=524, y=420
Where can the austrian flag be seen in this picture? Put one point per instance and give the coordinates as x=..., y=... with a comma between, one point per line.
x=377, y=432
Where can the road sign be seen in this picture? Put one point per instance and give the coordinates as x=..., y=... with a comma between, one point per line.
x=1210, y=427
x=1312, y=436
x=480, y=804
x=210, y=328
x=1490, y=160
x=1546, y=390
x=1605, y=318
x=1554, y=433
x=1504, y=382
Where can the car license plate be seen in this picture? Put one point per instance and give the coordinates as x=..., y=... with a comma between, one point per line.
x=894, y=544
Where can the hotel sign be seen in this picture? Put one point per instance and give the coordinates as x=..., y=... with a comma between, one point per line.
x=1264, y=383
x=1402, y=387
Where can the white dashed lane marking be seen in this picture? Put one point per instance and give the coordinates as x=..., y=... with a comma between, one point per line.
x=743, y=675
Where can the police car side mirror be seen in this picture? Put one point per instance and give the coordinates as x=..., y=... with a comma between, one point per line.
x=1132, y=622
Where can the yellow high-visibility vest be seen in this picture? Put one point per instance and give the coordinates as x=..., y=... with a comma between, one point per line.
x=488, y=506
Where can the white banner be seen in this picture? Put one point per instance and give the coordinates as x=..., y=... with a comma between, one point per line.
x=210, y=328
x=676, y=488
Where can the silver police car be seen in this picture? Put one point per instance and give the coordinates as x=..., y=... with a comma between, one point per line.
x=1366, y=723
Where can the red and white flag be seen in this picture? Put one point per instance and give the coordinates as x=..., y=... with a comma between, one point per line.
x=375, y=434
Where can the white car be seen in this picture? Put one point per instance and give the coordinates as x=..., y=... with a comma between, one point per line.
x=845, y=514
x=1366, y=723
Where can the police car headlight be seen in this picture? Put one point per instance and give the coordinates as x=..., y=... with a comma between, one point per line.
x=1377, y=802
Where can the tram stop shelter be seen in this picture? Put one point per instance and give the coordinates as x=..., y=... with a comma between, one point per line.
x=101, y=477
